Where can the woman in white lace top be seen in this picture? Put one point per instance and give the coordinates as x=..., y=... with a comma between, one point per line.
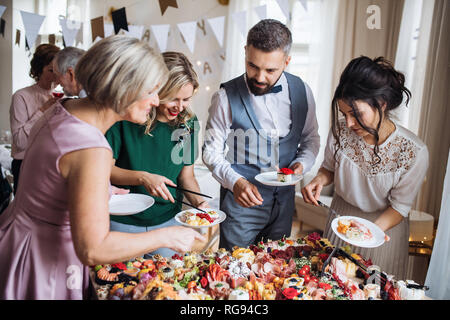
x=376, y=165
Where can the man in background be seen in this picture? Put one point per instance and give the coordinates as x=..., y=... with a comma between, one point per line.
x=64, y=67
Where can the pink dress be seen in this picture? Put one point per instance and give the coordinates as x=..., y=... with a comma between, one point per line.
x=38, y=259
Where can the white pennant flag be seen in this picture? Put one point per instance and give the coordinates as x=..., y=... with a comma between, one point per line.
x=97, y=39
x=261, y=11
x=161, y=32
x=79, y=37
x=240, y=18
x=304, y=4
x=32, y=23
x=108, y=29
x=218, y=27
x=135, y=31
x=188, y=30
x=69, y=30
x=2, y=10
x=284, y=5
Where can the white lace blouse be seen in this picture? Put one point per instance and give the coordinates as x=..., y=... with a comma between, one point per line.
x=394, y=181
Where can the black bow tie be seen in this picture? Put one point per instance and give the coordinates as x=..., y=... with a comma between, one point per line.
x=276, y=89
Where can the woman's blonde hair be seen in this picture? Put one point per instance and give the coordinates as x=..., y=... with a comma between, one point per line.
x=116, y=71
x=181, y=72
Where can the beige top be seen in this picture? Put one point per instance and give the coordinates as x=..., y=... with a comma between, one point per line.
x=23, y=113
x=394, y=181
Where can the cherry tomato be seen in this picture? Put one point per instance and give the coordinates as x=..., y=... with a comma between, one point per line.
x=307, y=278
x=307, y=268
x=314, y=279
x=325, y=286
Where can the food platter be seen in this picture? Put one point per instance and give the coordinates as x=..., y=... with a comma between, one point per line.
x=128, y=204
x=376, y=240
x=181, y=218
x=285, y=269
x=270, y=179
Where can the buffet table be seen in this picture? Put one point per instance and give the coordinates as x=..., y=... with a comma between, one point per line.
x=308, y=268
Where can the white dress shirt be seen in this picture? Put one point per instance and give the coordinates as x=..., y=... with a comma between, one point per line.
x=273, y=111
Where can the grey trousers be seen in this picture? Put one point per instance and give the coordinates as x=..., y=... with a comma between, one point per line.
x=246, y=226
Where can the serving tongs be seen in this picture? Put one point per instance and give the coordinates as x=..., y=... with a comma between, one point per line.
x=417, y=286
x=380, y=276
x=336, y=248
x=190, y=191
x=193, y=192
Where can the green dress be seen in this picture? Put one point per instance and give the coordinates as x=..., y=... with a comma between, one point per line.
x=165, y=152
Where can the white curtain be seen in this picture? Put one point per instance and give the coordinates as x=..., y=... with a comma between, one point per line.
x=432, y=112
x=321, y=64
x=235, y=63
x=76, y=10
x=80, y=10
x=438, y=276
x=407, y=60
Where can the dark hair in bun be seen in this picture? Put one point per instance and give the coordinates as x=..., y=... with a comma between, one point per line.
x=375, y=82
x=42, y=57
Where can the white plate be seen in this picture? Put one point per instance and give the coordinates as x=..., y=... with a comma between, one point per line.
x=378, y=234
x=220, y=219
x=128, y=204
x=270, y=179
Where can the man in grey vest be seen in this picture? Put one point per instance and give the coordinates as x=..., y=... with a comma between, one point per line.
x=262, y=120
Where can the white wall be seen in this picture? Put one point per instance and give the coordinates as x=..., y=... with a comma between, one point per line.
x=20, y=57
x=15, y=60
x=5, y=66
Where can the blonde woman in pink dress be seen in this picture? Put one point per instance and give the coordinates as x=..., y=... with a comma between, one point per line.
x=58, y=223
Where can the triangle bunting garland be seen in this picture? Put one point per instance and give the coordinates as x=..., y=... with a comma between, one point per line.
x=218, y=27
x=70, y=30
x=32, y=23
x=161, y=33
x=188, y=30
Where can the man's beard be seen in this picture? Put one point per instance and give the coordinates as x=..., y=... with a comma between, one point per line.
x=257, y=91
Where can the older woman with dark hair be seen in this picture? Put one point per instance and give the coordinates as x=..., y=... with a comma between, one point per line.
x=377, y=166
x=28, y=104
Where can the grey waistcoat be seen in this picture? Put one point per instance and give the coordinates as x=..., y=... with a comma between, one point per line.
x=251, y=150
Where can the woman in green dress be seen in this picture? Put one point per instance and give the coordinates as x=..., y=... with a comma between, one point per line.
x=162, y=153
